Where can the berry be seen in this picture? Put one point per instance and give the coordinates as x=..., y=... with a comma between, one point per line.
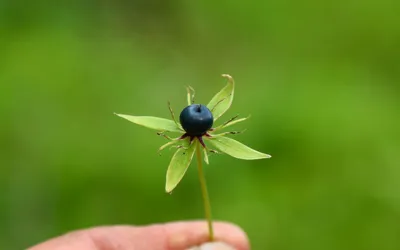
x=196, y=119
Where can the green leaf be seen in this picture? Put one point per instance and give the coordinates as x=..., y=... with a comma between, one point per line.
x=178, y=166
x=167, y=145
x=231, y=122
x=236, y=149
x=221, y=102
x=205, y=156
x=159, y=124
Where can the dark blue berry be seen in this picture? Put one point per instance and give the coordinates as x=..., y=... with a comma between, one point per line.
x=196, y=119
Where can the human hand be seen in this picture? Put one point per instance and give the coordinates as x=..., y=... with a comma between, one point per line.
x=171, y=236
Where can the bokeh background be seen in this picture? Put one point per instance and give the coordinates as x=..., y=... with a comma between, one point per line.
x=320, y=79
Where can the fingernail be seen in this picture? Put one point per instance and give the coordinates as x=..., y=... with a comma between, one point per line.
x=213, y=246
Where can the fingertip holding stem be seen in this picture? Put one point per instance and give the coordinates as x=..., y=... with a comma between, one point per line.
x=195, y=236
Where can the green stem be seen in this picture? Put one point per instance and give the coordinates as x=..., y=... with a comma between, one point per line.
x=204, y=192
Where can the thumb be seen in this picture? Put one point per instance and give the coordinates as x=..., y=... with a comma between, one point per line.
x=213, y=246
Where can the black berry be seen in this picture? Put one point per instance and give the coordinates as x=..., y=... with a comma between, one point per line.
x=196, y=119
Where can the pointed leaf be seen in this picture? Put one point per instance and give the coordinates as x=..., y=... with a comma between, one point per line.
x=151, y=122
x=221, y=102
x=173, y=114
x=230, y=123
x=205, y=156
x=236, y=149
x=178, y=166
x=190, y=95
x=167, y=145
x=235, y=122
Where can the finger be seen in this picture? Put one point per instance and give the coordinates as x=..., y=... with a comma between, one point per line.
x=170, y=236
x=213, y=246
x=182, y=235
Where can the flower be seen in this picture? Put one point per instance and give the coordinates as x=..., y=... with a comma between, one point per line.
x=187, y=142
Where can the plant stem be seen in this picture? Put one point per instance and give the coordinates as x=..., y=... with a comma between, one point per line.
x=204, y=192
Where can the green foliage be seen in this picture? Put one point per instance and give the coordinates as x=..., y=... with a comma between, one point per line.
x=178, y=166
x=236, y=149
x=159, y=124
x=231, y=122
x=184, y=155
x=221, y=102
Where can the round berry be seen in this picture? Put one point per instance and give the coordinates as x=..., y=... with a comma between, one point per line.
x=196, y=119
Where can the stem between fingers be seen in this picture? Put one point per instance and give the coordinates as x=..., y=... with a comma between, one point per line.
x=204, y=192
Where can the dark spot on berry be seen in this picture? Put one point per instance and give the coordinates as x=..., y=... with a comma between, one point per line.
x=196, y=119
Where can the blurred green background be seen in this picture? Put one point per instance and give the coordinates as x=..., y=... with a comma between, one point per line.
x=320, y=79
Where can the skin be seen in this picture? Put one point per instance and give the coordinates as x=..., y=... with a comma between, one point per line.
x=170, y=236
